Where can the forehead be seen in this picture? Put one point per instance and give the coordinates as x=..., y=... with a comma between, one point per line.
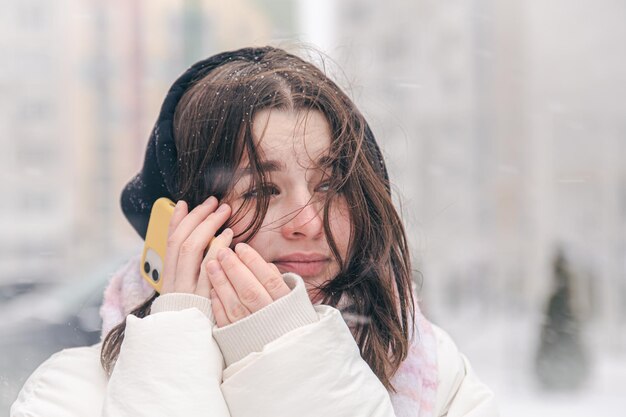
x=291, y=137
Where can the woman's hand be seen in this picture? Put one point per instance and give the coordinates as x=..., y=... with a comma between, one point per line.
x=189, y=234
x=243, y=283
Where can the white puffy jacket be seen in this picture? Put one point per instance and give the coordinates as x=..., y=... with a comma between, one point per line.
x=174, y=362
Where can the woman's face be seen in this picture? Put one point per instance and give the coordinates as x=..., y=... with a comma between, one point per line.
x=292, y=233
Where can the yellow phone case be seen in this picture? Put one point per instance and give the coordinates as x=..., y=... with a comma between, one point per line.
x=153, y=257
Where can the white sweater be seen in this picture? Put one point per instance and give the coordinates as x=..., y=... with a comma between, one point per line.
x=288, y=359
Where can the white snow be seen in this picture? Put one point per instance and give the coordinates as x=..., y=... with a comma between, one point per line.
x=502, y=351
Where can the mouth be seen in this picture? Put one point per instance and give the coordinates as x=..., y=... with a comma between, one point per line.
x=303, y=265
x=304, y=269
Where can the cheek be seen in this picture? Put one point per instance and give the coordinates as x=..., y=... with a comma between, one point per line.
x=341, y=226
x=262, y=240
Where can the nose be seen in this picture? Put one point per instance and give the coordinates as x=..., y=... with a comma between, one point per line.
x=304, y=221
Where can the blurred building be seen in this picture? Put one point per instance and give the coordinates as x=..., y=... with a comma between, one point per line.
x=506, y=139
x=81, y=85
x=438, y=84
x=578, y=132
x=34, y=158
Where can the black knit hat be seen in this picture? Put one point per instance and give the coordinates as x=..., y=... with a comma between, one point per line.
x=156, y=178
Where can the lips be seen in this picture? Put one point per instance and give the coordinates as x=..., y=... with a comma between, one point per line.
x=305, y=265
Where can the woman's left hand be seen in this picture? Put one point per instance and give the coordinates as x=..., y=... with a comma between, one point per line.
x=242, y=283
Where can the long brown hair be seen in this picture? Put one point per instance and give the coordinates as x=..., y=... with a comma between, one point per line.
x=213, y=133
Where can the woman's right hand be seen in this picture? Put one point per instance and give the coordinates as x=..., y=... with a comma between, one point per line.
x=189, y=234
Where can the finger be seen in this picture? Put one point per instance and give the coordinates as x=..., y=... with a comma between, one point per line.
x=203, y=285
x=192, y=250
x=180, y=211
x=274, y=267
x=250, y=291
x=223, y=240
x=189, y=222
x=267, y=274
x=169, y=265
x=177, y=233
x=277, y=271
x=221, y=319
x=233, y=307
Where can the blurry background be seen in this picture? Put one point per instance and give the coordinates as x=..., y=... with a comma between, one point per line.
x=502, y=123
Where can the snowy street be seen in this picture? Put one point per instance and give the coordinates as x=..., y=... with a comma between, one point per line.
x=503, y=358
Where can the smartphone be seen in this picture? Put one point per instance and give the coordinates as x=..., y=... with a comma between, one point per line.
x=153, y=256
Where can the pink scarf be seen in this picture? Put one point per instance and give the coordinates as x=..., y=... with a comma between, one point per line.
x=415, y=381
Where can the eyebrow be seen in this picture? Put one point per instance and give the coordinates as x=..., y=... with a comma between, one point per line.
x=272, y=165
x=267, y=166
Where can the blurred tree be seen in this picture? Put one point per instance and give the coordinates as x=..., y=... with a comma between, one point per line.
x=561, y=362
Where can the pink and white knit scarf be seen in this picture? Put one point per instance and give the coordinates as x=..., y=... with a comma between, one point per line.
x=415, y=381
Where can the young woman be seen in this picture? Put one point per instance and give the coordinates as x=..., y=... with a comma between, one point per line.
x=302, y=303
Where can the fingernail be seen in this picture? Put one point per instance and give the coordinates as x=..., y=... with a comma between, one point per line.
x=227, y=232
x=178, y=204
x=222, y=209
x=209, y=201
x=241, y=247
